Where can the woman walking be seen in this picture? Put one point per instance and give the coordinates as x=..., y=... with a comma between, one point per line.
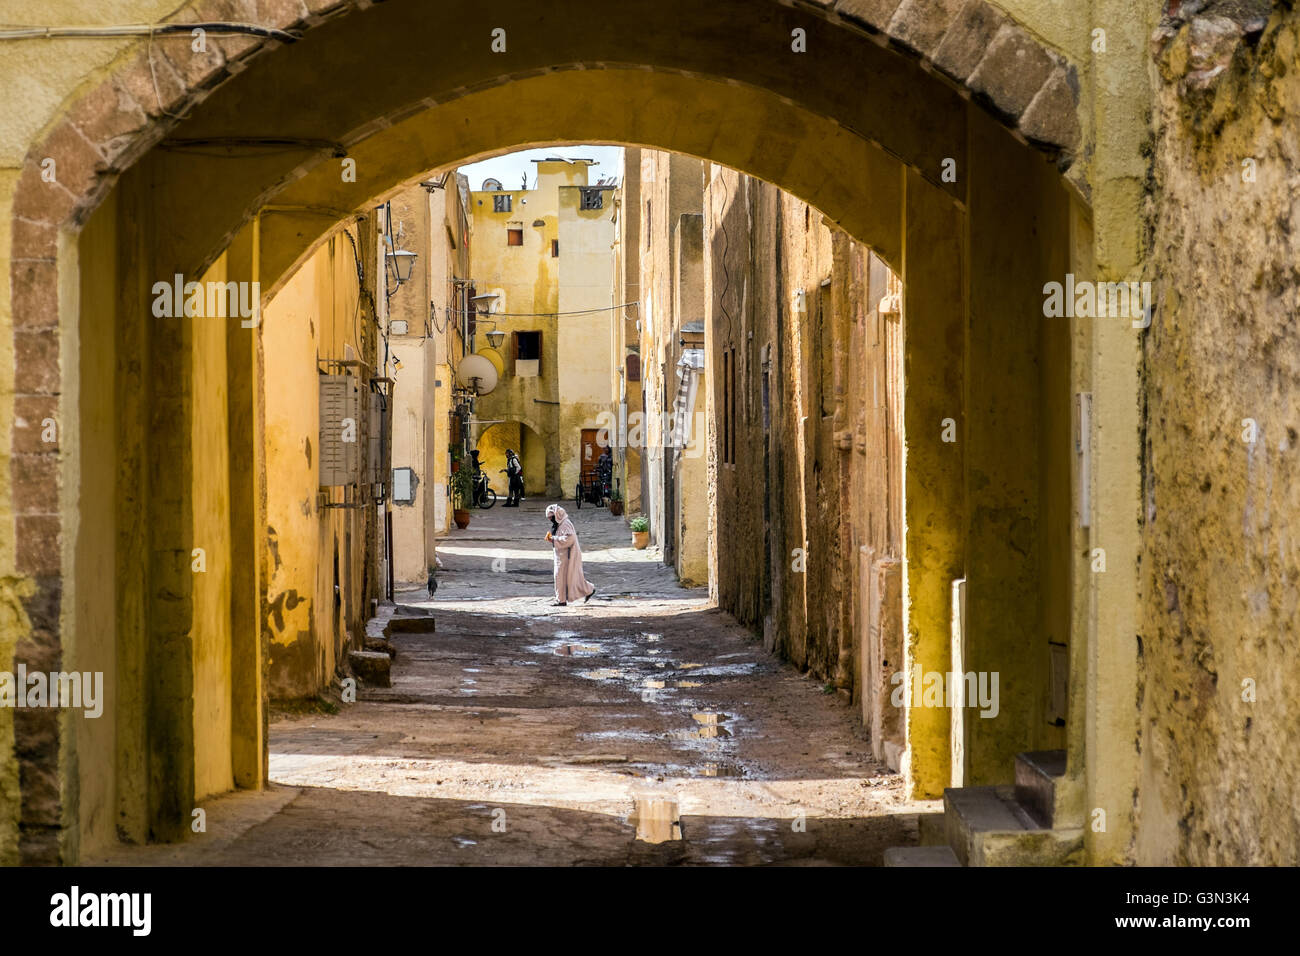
x=569, y=579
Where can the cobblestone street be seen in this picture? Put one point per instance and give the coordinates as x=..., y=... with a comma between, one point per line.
x=643, y=727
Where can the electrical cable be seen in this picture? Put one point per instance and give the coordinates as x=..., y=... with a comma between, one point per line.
x=522, y=315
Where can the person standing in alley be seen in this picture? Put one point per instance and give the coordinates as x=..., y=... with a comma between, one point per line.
x=515, y=473
x=569, y=579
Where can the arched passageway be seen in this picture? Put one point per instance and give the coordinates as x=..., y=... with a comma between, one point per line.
x=524, y=441
x=921, y=151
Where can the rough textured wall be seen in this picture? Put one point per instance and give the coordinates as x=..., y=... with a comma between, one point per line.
x=627, y=289
x=801, y=373
x=310, y=548
x=585, y=324
x=670, y=194
x=416, y=230
x=1221, y=545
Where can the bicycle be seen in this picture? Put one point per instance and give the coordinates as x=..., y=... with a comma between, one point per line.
x=484, y=496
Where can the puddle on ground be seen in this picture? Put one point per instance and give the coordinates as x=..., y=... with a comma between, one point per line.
x=463, y=842
x=577, y=650
x=656, y=819
x=690, y=683
x=470, y=670
x=701, y=733
x=655, y=684
x=601, y=673
x=710, y=725
x=652, y=637
x=722, y=670
x=720, y=770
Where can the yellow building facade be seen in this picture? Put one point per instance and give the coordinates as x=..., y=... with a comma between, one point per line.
x=542, y=262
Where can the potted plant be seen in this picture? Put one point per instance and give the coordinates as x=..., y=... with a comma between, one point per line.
x=457, y=453
x=640, y=532
x=462, y=493
x=616, y=502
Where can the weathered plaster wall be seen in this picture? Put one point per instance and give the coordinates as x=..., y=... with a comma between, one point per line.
x=1220, y=555
x=585, y=355
x=786, y=298
x=526, y=277
x=413, y=426
x=310, y=548
x=671, y=190
x=625, y=333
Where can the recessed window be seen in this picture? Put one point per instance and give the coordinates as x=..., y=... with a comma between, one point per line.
x=528, y=346
x=593, y=198
x=555, y=248
x=514, y=237
x=501, y=203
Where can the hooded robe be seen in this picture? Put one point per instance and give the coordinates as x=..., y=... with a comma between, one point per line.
x=570, y=583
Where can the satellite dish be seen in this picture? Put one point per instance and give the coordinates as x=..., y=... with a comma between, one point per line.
x=478, y=373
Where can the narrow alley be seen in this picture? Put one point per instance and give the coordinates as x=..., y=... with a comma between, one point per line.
x=641, y=728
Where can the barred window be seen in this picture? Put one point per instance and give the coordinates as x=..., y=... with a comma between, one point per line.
x=501, y=203
x=593, y=198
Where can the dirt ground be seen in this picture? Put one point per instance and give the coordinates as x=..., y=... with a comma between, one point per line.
x=643, y=727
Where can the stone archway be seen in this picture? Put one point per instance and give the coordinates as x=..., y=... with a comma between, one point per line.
x=800, y=122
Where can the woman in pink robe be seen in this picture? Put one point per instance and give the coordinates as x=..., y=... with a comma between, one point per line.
x=569, y=579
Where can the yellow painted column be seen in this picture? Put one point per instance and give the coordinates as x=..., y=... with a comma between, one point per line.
x=933, y=330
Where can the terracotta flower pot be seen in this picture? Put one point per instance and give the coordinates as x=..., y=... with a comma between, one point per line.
x=616, y=507
x=461, y=517
x=640, y=539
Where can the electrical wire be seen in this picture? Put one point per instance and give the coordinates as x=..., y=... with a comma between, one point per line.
x=521, y=315
x=726, y=245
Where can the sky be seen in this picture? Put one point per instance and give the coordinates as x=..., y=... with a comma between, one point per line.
x=511, y=167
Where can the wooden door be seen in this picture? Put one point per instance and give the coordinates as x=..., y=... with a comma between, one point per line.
x=589, y=450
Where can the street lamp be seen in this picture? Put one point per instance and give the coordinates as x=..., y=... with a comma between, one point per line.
x=400, y=264
x=496, y=337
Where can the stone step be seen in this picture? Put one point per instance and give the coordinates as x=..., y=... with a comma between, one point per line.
x=930, y=829
x=971, y=812
x=373, y=667
x=987, y=827
x=921, y=856
x=410, y=625
x=1037, y=773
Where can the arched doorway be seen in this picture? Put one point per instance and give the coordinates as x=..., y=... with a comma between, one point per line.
x=525, y=441
x=256, y=172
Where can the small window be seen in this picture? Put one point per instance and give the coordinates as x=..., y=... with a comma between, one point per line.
x=593, y=198
x=555, y=248
x=634, y=368
x=528, y=346
x=501, y=203
x=514, y=237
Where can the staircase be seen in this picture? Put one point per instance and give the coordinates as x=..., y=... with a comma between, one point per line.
x=1003, y=825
